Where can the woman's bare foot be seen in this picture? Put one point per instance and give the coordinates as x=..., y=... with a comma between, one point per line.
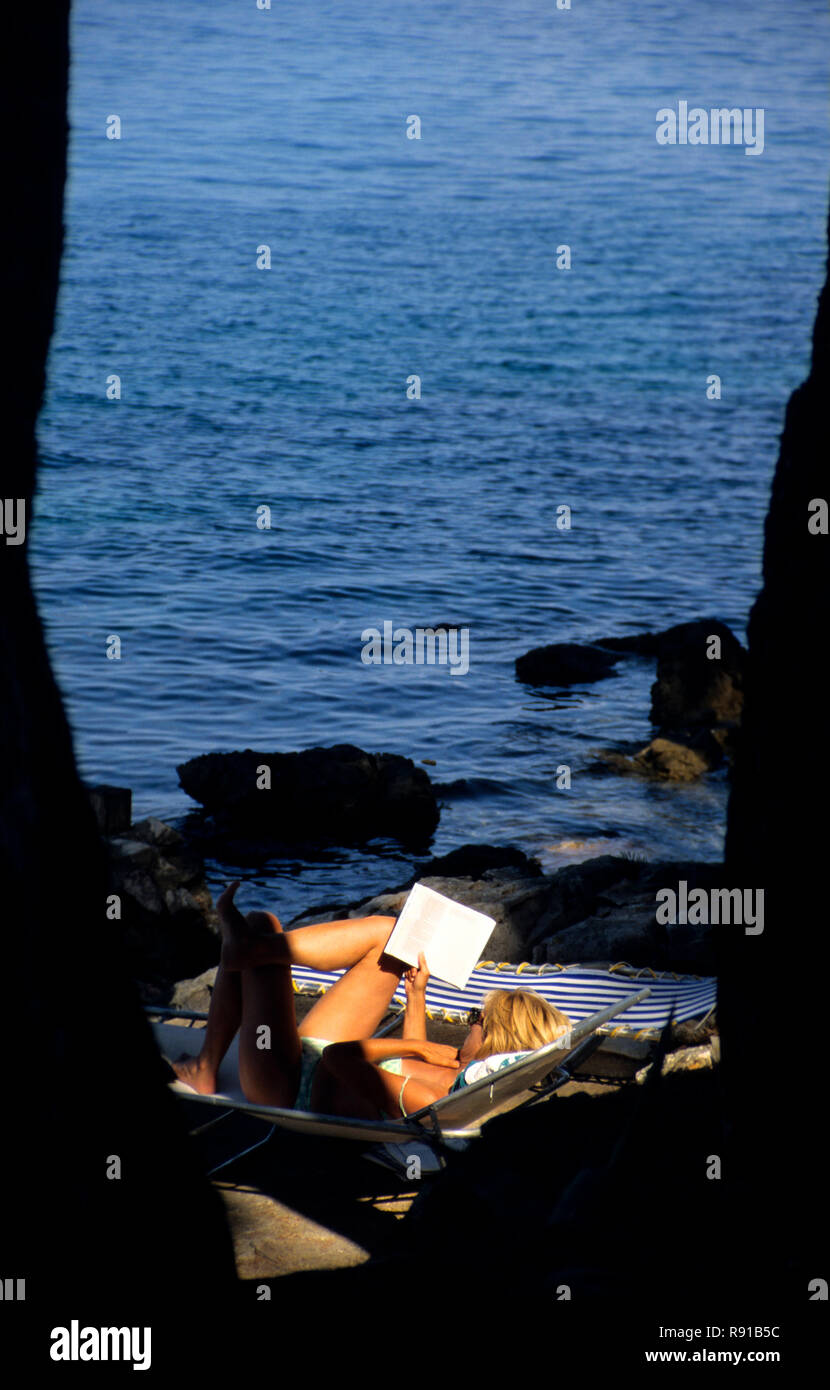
x=246, y=941
x=196, y=1073
x=232, y=922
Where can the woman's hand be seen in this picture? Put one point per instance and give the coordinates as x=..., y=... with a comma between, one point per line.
x=415, y=978
x=439, y=1054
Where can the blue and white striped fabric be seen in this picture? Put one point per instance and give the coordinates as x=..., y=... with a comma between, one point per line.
x=577, y=991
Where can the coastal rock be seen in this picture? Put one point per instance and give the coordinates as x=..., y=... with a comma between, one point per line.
x=112, y=807
x=169, y=925
x=704, y=1057
x=777, y=834
x=630, y=934
x=94, y=1244
x=474, y=861
x=341, y=794
x=623, y=924
x=515, y=903
x=565, y=663
x=656, y=644
x=194, y=993
x=662, y=760
x=692, y=689
x=597, y=912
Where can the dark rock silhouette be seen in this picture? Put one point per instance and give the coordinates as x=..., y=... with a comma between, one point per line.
x=112, y=807
x=777, y=839
x=693, y=689
x=338, y=794
x=655, y=644
x=169, y=925
x=565, y=663
x=472, y=861
x=696, y=701
x=84, y=1085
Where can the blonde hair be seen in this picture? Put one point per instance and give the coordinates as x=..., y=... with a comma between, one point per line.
x=519, y=1020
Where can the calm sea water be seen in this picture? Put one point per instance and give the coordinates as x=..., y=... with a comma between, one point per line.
x=540, y=387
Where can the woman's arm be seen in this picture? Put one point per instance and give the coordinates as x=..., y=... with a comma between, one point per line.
x=378, y=1049
x=364, y=1089
x=414, y=1041
x=415, y=1016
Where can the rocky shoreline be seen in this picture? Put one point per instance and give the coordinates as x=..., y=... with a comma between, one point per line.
x=596, y=912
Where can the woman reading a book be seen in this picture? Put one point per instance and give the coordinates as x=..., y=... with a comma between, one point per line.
x=329, y=1064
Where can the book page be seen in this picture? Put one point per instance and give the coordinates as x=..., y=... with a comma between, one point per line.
x=450, y=935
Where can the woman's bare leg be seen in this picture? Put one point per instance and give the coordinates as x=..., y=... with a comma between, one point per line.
x=355, y=1004
x=224, y=1018
x=269, y=1044
x=259, y=939
x=224, y=1014
x=258, y=999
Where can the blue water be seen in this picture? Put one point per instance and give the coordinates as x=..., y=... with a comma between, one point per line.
x=286, y=388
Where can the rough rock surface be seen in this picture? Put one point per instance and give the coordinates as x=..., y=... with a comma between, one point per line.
x=656, y=644
x=703, y=1057
x=471, y=861
x=194, y=993
x=167, y=915
x=565, y=663
x=597, y=912
x=339, y=794
x=692, y=689
x=663, y=760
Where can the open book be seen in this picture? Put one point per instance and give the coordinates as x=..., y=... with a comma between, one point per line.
x=451, y=936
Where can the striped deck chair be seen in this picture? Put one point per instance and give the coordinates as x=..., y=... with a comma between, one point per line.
x=449, y=1122
x=577, y=990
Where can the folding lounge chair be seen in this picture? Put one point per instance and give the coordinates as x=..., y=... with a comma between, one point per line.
x=447, y=1123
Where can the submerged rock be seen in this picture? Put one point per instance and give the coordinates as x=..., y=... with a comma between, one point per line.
x=474, y=861
x=565, y=663
x=663, y=760
x=342, y=795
